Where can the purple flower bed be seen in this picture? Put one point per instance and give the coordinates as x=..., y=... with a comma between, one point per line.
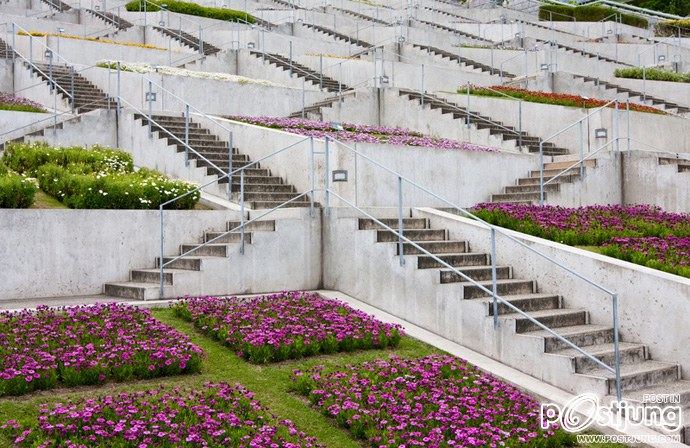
x=9, y=101
x=642, y=234
x=670, y=254
x=286, y=325
x=435, y=401
x=218, y=415
x=359, y=133
x=88, y=345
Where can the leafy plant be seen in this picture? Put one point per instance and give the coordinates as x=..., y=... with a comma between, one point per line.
x=192, y=9
x=587, y=13
x=17, y=191
x=652, y=74
x=673, y=27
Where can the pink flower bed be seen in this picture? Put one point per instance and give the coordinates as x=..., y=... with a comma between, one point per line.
x=217, y=415
x=88, y=345
x=286, y=325
x=359, y=133
x=435, y=401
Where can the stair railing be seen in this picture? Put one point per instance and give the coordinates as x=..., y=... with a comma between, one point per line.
x=468, y=89
x=494, y=230
x=580, y=124
x=243, y=221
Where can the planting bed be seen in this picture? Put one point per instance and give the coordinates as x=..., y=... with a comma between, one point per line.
x=435, y=401
x=9, y=101
x=642, y=234
x=287, y=325
x=359, y=133
x=216, y=415
x=88, y=345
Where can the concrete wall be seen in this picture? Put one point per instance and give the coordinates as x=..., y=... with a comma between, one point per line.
x=647, y=182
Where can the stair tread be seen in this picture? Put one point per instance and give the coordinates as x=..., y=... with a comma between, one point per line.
x=571, y=330
x=133, y=284
x=544, y=313
x=673, y=388
x=157, y=271
x=598, y=349
x=628, y=370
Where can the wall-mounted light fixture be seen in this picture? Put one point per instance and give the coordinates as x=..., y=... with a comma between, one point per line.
x=601, y=133
x=339, y=175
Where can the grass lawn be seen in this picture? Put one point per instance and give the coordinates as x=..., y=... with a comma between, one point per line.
x=44, y=200
x=270, y=383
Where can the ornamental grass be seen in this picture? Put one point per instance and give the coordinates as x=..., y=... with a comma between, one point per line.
x=363, y=133
x=560, y=99
x=77, y=346
x=288, y=325
x=435, y=401
x=216, y=415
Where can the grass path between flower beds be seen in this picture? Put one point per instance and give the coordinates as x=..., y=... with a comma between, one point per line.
x=270, y=383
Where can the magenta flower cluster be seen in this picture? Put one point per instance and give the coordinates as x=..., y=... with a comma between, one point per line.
x=216, y=415
x=360, y=133
x=670, y=253
x=88, y=345
x=9, y=101
x=435, y=401
x=287, y=325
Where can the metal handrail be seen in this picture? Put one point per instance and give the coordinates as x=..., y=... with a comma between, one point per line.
x=656, y=149
x=28, y=34
x=50, y=78
x=581, y=160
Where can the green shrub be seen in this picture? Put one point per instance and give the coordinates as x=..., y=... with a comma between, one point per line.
x=652, y=74
x=97, y=178
x=28, y=157
x=587, y=13
x=16, y=191
x=671, y=28
x=677, y=7
x=192, y=9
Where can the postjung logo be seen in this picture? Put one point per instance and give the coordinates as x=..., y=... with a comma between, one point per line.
x=585, y=410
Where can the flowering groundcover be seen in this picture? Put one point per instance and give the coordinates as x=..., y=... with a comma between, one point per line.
x=359, y=133
x=434, y=401
x=287, y=325
x=642, y=234
x=88, y=345
x=217, y=415
x=9, y=101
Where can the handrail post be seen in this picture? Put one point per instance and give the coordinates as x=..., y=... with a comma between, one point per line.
x=71, y=86
x=230, y=152
x=400, y=223
x=321, y=71
x=119, y=102
x=616, y=347
x=520, y=124
x=326, y=177
x=150, y=100
x=494, y=284
x=616, y=125
x=201, y=42
x=186, y=135
x=627, y=117
x=541, y=173
x=242, y=211
x=160, y=210
x=582, y=152
x=313, y=176
x=422, y=86
x=467, y=119
x=290, y=51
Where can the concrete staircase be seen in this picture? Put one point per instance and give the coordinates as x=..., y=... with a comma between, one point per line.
x=302, y=71
x=527, y=189
x=456, y=17
x=361, y=16
x=480, y=121
x=573, y=371
x=337, y=36
x=315, y=111
x=111, y=19
x=683, y=164
x=473, y=38
x=261, y=189
x=6, y=51
x=57, y=5
x=463, y=61
x=635, y=96
x=87, y=96
x=188, y=40
x=144, y=284
x=587, y=54
x=287, y=4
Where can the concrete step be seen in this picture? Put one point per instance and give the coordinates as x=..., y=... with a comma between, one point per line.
x=515, y=197
x=560, y=166
x=477, y=273
x=227, y=238
x=210, y=250
x=187, y=263
x=580, y=335
x=630, y=353
x=455, y=260
x=565, y=178
x=266, y=205
x=154, y=275
x=504, y=287
x=550, y=173
x=520, y=189
x=254, y=226
x=637, y=376
x=408, y=223
x=526, y=302
x=681, y=388
x=564, y=317
x=256, y=179
x=387, y=236
x=275, y=197
x=132, y=290
x=265, y=188
x=435, y=247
